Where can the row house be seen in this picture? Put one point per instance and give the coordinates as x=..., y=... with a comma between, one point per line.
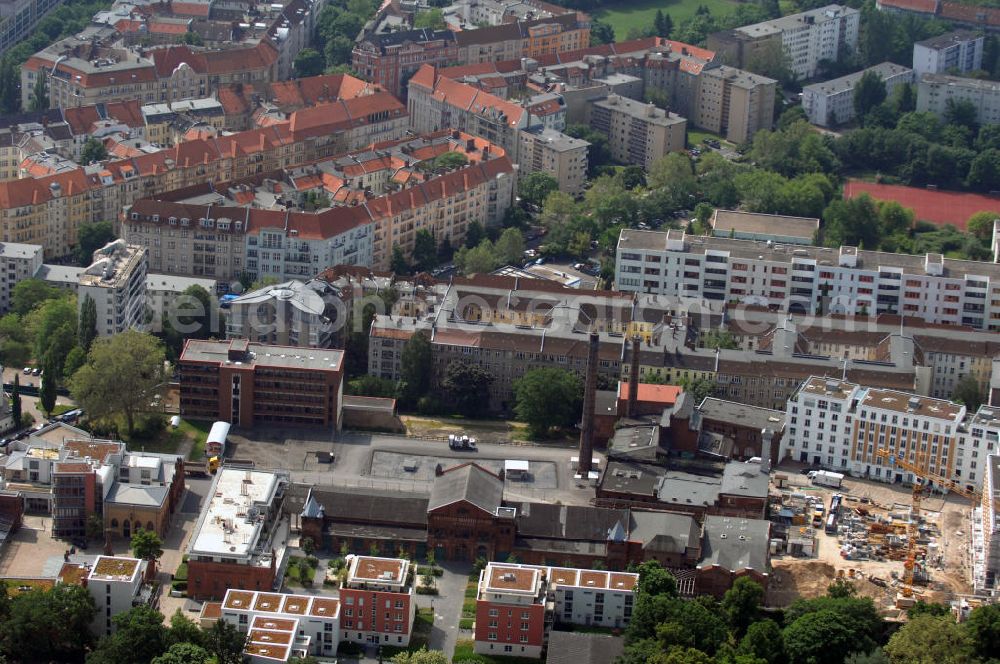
x=278, y=623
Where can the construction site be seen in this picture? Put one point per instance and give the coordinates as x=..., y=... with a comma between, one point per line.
x=869, y=534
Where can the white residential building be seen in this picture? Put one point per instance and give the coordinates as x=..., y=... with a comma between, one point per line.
x=292, y=313
x=116, y=281
x=116, y=584
x=986, y=531
x=811, y=36
x=959, y=51
x=17, y=262
x=309, y=623
x=831, y=103
x=818, y=423
x=934, y=91
x=810, y=279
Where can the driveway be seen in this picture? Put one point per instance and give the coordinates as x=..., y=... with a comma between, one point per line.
x=447, y=605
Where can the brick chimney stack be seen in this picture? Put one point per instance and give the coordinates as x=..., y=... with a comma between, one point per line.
x=633, y=378
x=589, y=398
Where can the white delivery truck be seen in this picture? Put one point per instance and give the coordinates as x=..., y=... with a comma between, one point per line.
x=826, y=478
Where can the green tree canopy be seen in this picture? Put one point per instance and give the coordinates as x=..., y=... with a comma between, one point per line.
x=140, y=636
x=308, y=62
x=93, y=151
x=90, y=237
x=869, y=92
x=467, y=387
x=983, y=626
x=422, y=656
x=416, y=366
x=29, y=293
x=119, y=376
x=50, y=625
x=425, y=256
x=430, y=18
x=535, y=187
x=548, y=397
x=930, y=640
x=146, y=545
x=183, y=653
x=509, y=247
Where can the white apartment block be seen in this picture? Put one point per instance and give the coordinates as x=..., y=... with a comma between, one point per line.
x=116, y=281
x=591, y=597
x=934, y=91
x=283, y=254
x=841, y=426
x=986, y=531
x=810, y=279
x=811, y=36
x=116, y=586
x=17, y=262
x=959, y=51
x=831, y=103
x=307, y=623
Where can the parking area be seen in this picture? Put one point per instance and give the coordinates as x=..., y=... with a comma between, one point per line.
x=420, y=467
x=285, y=448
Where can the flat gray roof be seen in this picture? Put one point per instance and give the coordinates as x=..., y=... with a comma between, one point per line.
x=316, y=359
x=735, y=544
x=846, y=83
x=764, y=224
x=730, y=411
x=950, y=39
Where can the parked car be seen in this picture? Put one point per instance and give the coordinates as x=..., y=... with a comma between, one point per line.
x=461, y=442
x=27, y=371
x=36, y=371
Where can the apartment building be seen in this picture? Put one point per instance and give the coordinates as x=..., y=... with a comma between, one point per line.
x=934, y=91
x=379, y=200
x=831, y=103
x=48, y=210
x=116, y=282
x=959, y=51
x=378, y=601
x=555, y=153
x=810, y=279
x=236, y=542
x=986, y=531
x=277, y=624
x=291, y=313
x=78, y=72
x=117, y=585
x=244, y=382
x=734, y=103
x=17, y=263
x=391, y=59
x=637, y=133
x=843, y=426
x=512, y=617
x=808, y=37
x=524, y=39
x=17, y=19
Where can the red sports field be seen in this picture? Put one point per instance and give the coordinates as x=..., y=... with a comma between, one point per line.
x=937, y=207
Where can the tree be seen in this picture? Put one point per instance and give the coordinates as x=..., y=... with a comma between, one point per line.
x=90, y=237
x=139, y=636
x=673, y=173
x=40, y=92
x=88, y=322
x=481, y=259
x=422, y=656
x=95, y=527
x=546, y=398
x=183, y=653
x=54, y=327
x=93, y=151
x=601, y=33
x=741, y=604
x=968, y=392
x=852, y=222
x=10, y=86
x=120, y=373
x=50, y=625
x=29, y=293
x=225, y=642
x=146, y=545
x=924, y=608
x=474, y=234
x=448, y=161
x=858, y=615
x=961, y=112
x=467, y=387
x=983, y=626
x=445, y=252
x=509, y=247
x=308, y=62
x=655, y=580
x=192, y=39
x=398, y=263
x=47, y=389
x=424, y=251
x=819, y=638
x=430, y=18
x=980, y=224
x=194, y=314
x=771, y=60
x=416, y=366
x=663, y=23
x=930, y=640
x=535, y=187
x=15, y=401
x=699, y=388
x=869, y=92
x=764, y=640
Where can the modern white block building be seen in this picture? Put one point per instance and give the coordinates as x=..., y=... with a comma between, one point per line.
x=304, y=623
x=811, y=36
x=116, y=586
x=17, y=262
x=810, y=279
x=116, y=281
x=831, y=103
x=935, y=90
x=958, y=51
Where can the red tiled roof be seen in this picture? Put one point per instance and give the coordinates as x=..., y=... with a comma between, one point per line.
x=921, y=6
x=344, y=114
x=465, y=97
x=82, y=118
x=233, y=102
x=317, y=89
x=953, y=11
x=936, y=207
x=665, y=394
x=190, y=8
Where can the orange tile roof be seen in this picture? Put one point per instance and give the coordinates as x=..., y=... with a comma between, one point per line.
x=665, y=394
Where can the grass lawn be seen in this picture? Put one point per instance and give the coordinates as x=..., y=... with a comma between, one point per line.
x=697, y=136
x=630, y=14
x=464, y=653
x=60, y=409
x=198, y=432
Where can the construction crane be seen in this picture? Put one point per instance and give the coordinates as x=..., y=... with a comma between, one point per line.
x=924, y=477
